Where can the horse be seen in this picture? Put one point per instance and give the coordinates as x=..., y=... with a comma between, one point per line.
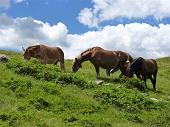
x=144, y=68
x=99, y=57
x=45, y=54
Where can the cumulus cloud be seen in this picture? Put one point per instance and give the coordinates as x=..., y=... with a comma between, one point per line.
x=88, y=17
x=135, y=38
x=26, y=31
x=104, y=10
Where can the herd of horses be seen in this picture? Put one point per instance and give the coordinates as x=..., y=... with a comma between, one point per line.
x=111, y=61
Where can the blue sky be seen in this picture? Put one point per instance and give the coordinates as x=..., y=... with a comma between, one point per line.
x=139, y=27
x=66, y=11
x=52, y=11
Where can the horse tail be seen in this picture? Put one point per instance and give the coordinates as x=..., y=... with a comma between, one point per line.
x=155, y=73
x=61, y=58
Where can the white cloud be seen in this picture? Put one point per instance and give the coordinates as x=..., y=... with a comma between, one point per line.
x=88, y=17
x=104, y=10
x=4, y=4
x=137, y=39
x=26, y=31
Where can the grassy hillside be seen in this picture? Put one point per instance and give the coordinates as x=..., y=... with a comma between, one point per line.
x=41, y=95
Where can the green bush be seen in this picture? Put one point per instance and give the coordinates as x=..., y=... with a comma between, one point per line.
x=21, y=88
x=48, y=73
x=135, y=83
x=40, y=103
x=128, y=100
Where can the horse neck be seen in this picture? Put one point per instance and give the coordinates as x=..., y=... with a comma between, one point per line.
x=85, y=56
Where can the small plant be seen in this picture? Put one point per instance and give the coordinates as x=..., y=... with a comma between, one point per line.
x=40, y=103
x=135, y=83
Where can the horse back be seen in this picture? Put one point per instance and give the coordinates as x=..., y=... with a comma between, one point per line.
x=150, y=66
x=51, y=53
x=105, y=58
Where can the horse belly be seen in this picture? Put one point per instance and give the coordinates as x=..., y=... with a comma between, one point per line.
x=109, y=64
x=51, y=61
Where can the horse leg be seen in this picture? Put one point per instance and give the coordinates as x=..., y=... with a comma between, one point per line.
x=62, y=66
x=154, y=81
x=139, y=76
x=145, y=81
x=61, y=60
x=97, y=71
x=107, y=72
x=114, y=70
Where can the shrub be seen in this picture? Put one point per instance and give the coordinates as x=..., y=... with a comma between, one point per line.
x=135, y=83
x=128, y=100
x=48, y=73
x=40, y=103
x=21, y=88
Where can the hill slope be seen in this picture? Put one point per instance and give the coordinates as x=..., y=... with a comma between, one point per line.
x=40, y=95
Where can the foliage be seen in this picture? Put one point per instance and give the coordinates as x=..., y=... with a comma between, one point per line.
x=33, y=94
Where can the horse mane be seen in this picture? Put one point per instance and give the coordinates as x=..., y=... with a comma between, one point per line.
x=32, y=46
x=89, y=49
x=137, y=62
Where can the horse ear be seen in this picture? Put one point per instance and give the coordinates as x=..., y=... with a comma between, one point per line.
x=23, y=49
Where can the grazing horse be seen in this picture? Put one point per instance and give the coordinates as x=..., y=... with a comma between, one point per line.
x=147, y=68
x=99, y=57
x=45, y=54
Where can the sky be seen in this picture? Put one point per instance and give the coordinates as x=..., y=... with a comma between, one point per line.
x=139, y=27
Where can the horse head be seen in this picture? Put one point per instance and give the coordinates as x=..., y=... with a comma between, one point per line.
x=129, y=70
x=76, y=65
x=31, y=51
x=134, y=66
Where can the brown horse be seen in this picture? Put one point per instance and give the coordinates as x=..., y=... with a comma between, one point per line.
x=144, y=68
x=45, y=54
x=99, y=58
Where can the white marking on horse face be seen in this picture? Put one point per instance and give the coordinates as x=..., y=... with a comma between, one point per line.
x=127, y=61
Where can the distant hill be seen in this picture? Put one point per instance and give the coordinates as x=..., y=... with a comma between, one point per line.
x=39, y=95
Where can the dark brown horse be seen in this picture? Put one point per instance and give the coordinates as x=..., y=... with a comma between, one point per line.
x=144, y=68
x=99, y=58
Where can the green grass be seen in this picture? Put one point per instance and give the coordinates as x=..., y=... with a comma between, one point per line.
x=43, y=96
